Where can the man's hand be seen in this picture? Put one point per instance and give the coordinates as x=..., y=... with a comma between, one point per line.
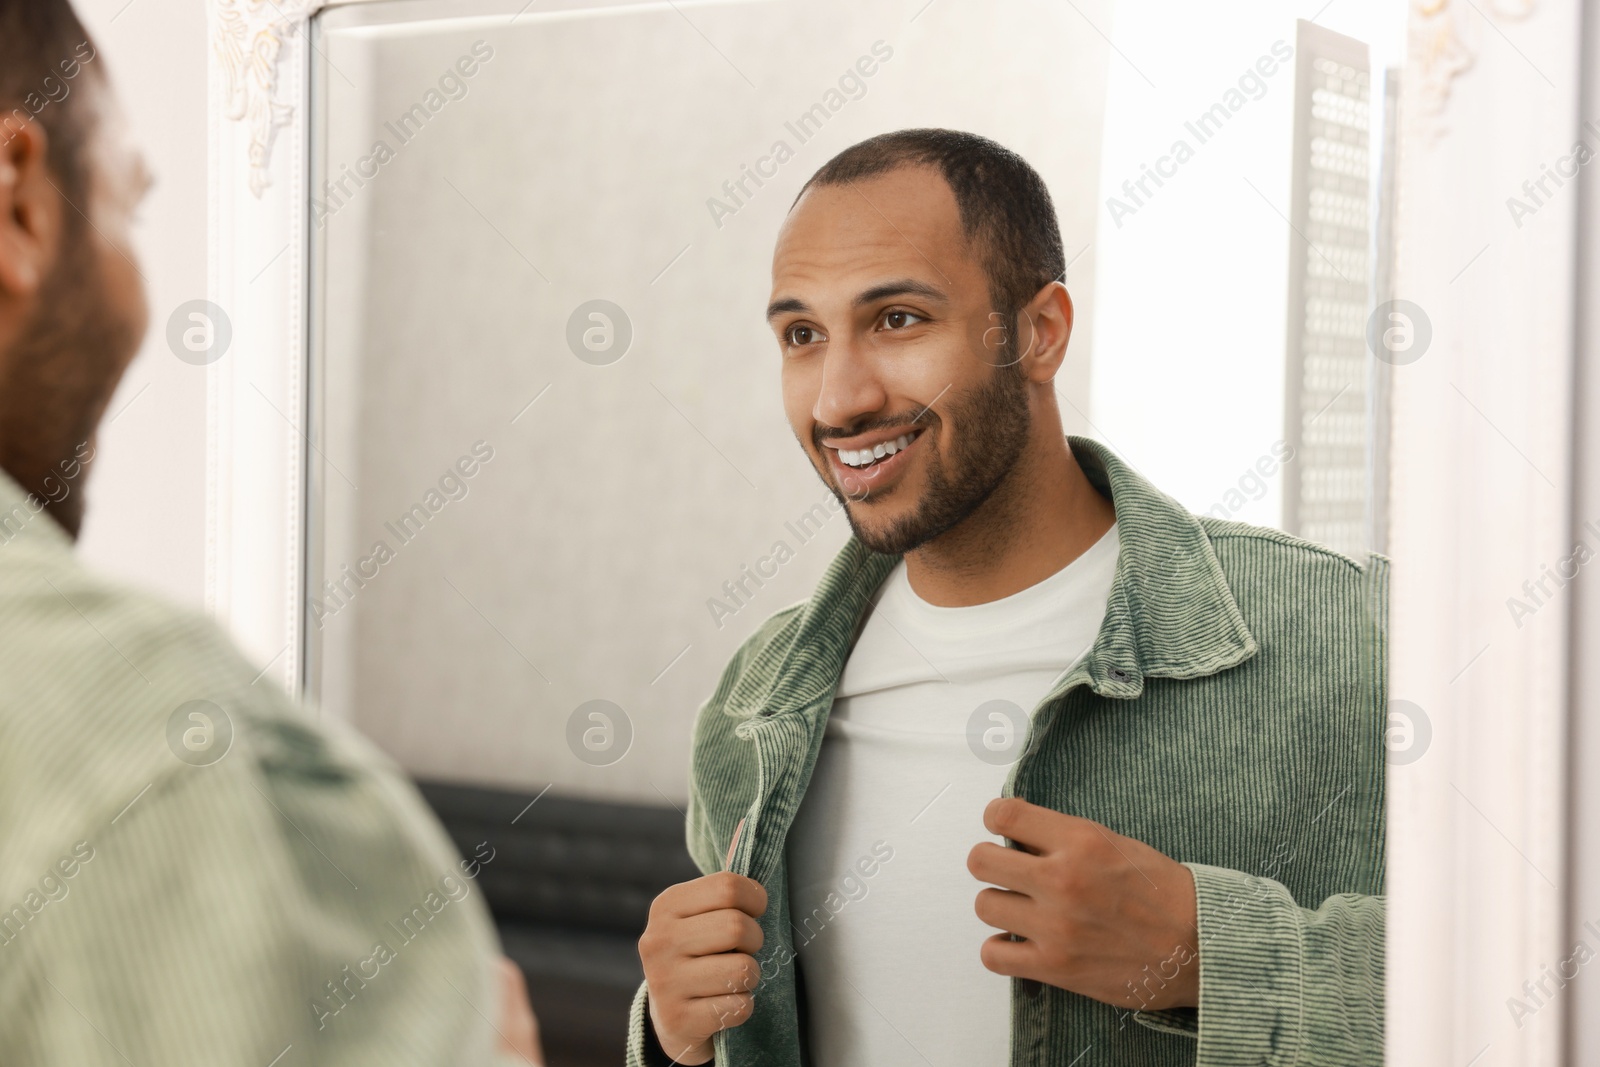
x=698, y=952
x=1100, y=914
x=519, y=1027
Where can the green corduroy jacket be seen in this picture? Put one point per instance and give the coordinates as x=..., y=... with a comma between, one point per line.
x=1231, y=714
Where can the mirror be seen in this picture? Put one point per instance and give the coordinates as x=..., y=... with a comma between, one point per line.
x=550, y=464
x=552, y=485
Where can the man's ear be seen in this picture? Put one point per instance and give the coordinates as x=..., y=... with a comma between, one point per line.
x=30, y=208
x=1047, y=327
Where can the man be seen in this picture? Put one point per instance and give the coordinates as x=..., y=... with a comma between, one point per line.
x=1174, y=723
x=191, y=870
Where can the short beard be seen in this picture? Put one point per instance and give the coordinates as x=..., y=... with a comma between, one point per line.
x=58, y=378
x=991, y=425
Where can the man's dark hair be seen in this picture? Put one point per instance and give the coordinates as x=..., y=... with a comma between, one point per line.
x=47, y=66
x=1005, y=207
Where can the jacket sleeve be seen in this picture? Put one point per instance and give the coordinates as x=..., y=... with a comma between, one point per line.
x=216, y=925
x=643, y=1048
x=1281, y=984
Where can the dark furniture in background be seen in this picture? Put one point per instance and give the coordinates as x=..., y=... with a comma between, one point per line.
x=570, y=887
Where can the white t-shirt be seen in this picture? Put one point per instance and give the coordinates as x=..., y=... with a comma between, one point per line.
x=930, y=713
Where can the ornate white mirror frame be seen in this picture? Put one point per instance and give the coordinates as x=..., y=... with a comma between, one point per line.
x=1469, y=919
x=259, y=89
x=1483, y=896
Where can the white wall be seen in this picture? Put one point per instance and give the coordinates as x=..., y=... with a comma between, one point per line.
x=146, y=519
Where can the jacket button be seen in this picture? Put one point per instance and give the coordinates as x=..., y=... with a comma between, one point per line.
x=1117, y=674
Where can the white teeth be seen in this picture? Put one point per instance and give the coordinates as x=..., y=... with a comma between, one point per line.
x=863, y=457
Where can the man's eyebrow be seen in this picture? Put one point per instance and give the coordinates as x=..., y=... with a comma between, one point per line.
x=786, y=305
x=898, y=287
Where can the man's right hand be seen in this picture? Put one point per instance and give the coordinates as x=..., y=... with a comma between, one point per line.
x=698, y=952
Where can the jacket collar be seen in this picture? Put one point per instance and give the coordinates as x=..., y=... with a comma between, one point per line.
x=1170, y=613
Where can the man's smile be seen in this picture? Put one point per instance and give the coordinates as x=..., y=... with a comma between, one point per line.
x=870, y=460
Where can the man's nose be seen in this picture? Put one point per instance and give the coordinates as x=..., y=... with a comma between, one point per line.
x=851, y=387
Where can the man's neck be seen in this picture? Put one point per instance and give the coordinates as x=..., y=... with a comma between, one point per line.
x=53, y=494
x=1041, y=518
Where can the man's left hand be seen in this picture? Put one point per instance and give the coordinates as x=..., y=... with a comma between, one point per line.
x=1097, y=913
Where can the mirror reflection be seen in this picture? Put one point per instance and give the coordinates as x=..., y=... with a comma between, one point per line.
x=614, y=546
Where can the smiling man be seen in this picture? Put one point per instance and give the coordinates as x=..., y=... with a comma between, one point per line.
x=1048, y=770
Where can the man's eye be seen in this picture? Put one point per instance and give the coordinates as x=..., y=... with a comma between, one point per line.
x=801, y=335
x=899, y=320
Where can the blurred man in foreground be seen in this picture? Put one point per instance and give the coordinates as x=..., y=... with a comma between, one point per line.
x=191, y=871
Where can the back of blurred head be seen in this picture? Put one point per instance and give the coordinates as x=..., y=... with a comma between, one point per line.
x=71, y=299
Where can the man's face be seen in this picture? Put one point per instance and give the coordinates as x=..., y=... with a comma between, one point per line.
x=75, y=334
x=882, y=312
